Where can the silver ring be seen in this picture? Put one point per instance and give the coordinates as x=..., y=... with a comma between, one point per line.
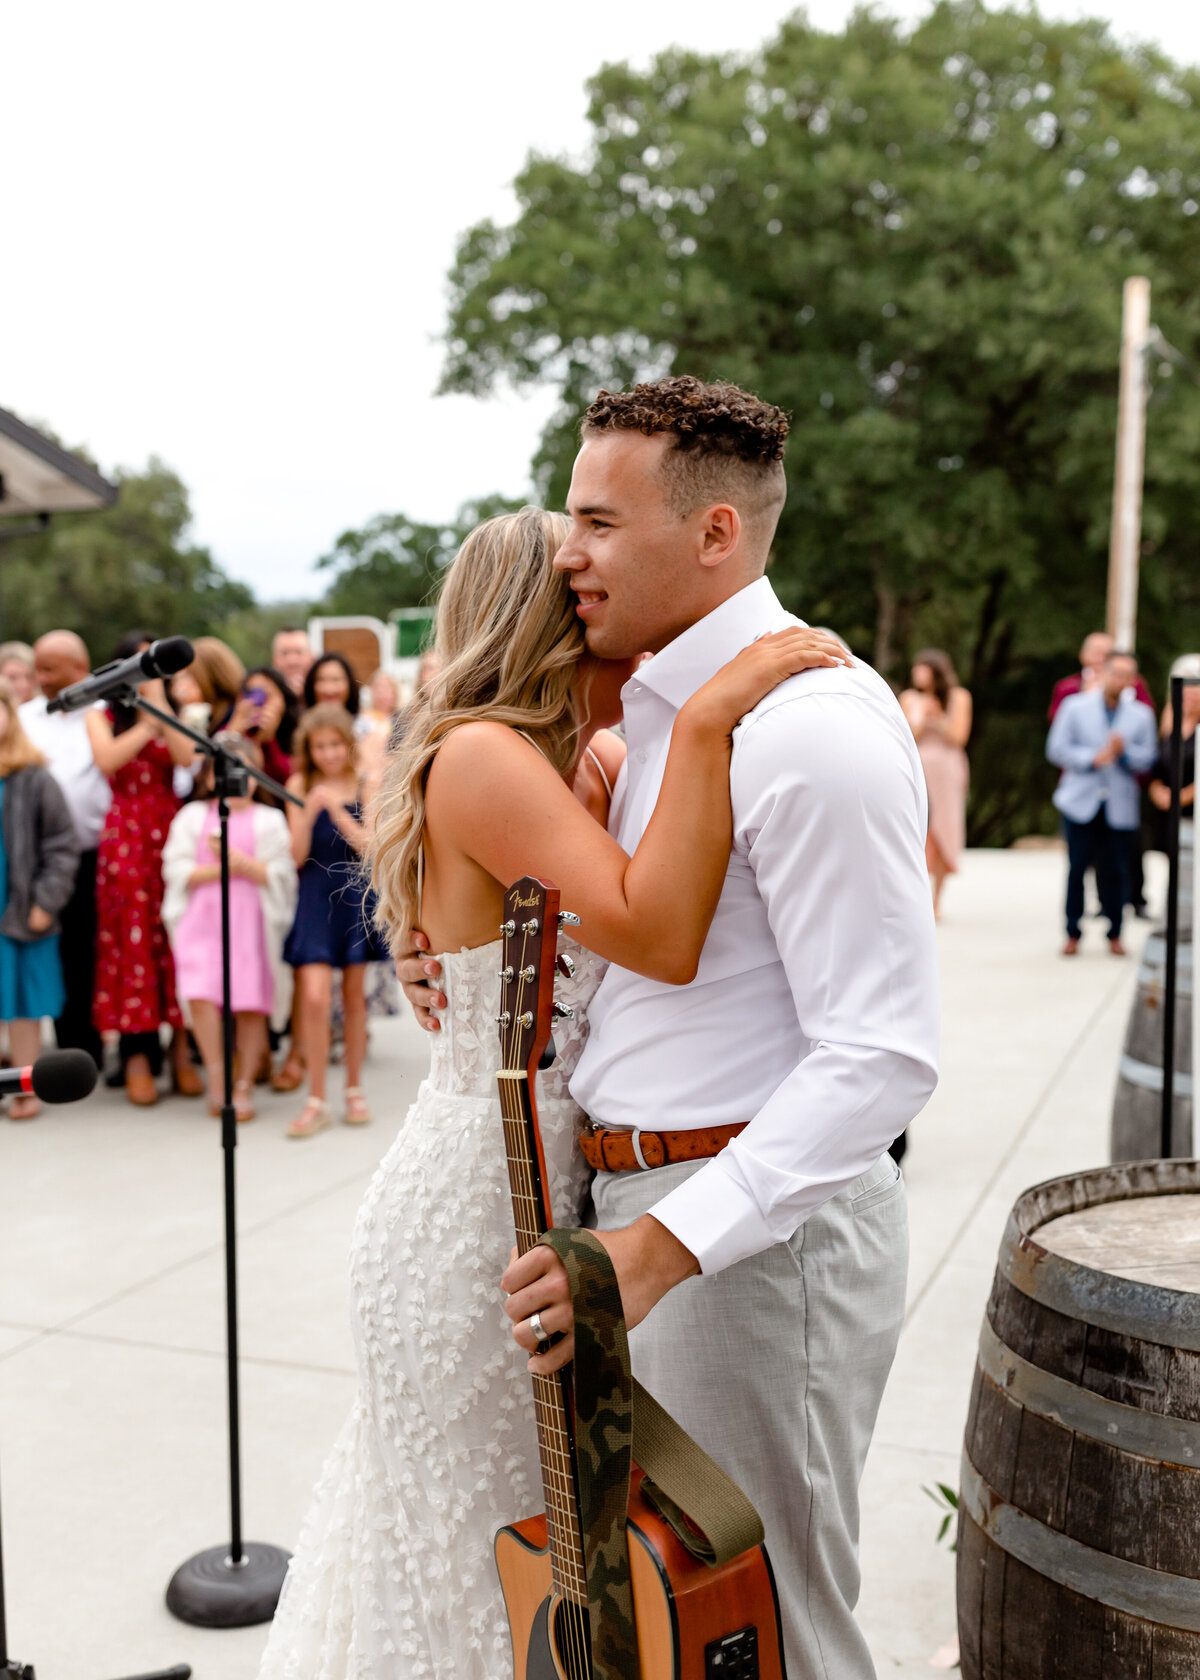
x=538, y=1328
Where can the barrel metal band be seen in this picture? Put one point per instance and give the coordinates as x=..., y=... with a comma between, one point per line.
x=1145, y=1312
x=1149, y=1594
x=1148, y=1076
x=1151, y=1434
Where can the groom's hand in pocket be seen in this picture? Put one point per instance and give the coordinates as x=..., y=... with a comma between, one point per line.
x=419, y=974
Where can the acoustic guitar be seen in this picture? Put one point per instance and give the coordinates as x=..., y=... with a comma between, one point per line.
x=695, y=1621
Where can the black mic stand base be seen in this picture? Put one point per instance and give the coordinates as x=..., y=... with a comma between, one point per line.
x=210, y=1590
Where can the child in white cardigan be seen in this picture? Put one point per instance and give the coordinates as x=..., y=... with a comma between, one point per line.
x=262, y=903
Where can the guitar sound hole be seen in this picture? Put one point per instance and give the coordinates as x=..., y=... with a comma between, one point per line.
x=572, y=1641
x=565, y=1653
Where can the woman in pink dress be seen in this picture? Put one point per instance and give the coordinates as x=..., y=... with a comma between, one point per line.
x=262, y=899
x=939, y=713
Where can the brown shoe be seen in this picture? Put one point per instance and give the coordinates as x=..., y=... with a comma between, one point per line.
x=141, y=1089
x=289, y=1077
x=1117, y=949
x=1071, y=948
x=186, y=1079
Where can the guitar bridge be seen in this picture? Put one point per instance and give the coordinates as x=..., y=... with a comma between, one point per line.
x=732, y=1657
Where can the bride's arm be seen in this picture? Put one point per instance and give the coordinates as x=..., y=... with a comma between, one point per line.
x=494, y=797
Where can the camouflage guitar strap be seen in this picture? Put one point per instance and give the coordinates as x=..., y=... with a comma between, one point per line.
x=616, y=1420
x=603, y=1447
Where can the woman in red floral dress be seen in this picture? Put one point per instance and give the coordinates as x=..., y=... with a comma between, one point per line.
x=135, y=974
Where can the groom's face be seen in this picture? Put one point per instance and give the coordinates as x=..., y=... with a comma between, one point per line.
x=632, y=562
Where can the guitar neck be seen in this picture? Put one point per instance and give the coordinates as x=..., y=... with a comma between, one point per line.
x=551, y=1394
x=529, y=934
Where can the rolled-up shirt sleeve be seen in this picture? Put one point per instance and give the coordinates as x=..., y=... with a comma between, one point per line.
x=830, y=811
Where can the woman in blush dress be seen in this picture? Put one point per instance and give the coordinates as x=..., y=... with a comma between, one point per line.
x=939, y=713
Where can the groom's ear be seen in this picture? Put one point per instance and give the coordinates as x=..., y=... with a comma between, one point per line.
x=719, y=533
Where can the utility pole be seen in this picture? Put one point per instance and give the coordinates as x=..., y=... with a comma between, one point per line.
x=1126, y=535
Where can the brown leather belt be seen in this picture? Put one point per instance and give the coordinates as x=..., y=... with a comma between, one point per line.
x=636, y=1151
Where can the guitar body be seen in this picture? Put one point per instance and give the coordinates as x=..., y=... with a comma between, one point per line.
x=686, y=1612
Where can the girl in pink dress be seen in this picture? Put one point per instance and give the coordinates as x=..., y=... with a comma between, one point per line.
x=262, y=893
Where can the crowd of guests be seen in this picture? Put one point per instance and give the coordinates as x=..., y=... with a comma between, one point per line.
x=110, y=919
x=109, y=873
x=1110, y=746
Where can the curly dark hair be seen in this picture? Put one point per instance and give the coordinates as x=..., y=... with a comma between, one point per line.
x=725, y=443
x=711, y=419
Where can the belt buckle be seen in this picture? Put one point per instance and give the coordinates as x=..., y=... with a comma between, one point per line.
x=636, y=1140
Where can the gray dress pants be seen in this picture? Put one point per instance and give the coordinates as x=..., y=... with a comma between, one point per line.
x=777, y=1366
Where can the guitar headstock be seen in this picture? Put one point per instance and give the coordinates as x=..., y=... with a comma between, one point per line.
x=530, y=932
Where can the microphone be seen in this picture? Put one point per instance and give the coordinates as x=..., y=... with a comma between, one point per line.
x=60, y=1076
x=160, y=659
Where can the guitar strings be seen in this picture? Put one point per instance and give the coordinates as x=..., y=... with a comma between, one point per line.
x=558, y=1483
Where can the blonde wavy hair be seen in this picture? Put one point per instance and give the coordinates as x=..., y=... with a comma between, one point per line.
x=17, y=751
x=509, y=639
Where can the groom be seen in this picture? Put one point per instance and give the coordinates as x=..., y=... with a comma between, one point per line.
x=740, y=1123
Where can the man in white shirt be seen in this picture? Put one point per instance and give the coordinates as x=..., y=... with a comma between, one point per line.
x=59, y=659
x=755, y=1221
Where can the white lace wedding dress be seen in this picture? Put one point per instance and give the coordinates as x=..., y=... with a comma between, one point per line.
x=393, y=1577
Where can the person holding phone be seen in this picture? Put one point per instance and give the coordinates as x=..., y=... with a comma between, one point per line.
x=267, y=712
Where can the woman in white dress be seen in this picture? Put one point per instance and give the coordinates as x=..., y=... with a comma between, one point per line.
x=504, y=771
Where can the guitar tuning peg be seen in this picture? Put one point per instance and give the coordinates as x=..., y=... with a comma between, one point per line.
x=564, y=965
x=567, y=918
x=560, y=1012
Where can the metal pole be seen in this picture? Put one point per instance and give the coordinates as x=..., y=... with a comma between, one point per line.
x=1126, y=531
x=228, y=1144
x=1166, y=1139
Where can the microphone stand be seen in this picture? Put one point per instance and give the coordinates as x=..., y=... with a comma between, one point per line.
x=236, y=1585
x=1168, y=1144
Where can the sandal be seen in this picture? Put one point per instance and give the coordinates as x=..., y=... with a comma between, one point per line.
x=289, y=1076
x=357, y=1112
x=24, y=1107
x=243, y=1100
x=312, y=1118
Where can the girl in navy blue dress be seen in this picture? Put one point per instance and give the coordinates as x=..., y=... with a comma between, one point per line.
x=335, y=909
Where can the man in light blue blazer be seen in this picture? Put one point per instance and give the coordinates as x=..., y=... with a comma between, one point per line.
x=1101, y=740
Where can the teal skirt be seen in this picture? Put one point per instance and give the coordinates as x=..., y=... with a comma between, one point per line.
x=31, y=982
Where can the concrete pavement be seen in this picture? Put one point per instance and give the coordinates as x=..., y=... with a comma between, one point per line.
x=112, y=1422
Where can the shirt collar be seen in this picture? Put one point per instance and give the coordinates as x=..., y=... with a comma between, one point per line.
x=698, y=654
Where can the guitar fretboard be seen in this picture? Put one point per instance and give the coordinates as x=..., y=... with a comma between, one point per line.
x=531, y=1216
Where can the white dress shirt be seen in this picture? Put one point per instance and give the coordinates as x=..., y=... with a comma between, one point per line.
x=814, y=1014
x=63, y=738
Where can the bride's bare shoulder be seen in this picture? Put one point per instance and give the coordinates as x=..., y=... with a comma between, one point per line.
x=473, y=754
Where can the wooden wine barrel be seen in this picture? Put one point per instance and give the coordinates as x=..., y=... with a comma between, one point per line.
x=1136, y=1132
x=1079, y=1517
x=1136, y=1128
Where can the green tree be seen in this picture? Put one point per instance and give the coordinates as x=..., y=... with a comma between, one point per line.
x=128, y=567
x=916, y=242
x=394, y=561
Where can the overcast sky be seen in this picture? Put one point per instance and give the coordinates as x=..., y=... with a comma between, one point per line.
x=228, y=226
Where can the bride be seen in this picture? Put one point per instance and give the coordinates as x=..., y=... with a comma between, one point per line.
x=505, y=770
